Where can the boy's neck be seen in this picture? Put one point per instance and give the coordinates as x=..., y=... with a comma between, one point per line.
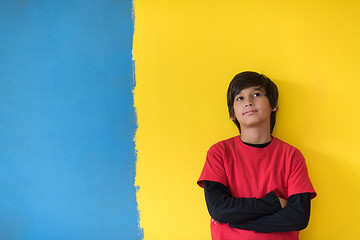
x=255, y=135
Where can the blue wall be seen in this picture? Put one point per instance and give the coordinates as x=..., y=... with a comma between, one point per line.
x=67, y=122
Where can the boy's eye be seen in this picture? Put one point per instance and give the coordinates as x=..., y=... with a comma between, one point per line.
x=239, y=98
x=256, y=94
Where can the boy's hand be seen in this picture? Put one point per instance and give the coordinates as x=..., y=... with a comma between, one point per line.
x=283, y=202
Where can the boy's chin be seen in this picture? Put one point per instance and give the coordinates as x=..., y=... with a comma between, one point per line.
x=254, y=125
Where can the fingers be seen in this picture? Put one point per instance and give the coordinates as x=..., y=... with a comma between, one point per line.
x=283, y=202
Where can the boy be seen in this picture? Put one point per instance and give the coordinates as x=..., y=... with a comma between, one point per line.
x=256, y=186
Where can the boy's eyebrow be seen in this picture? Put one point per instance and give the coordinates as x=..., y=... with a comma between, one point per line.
x=261, y=89
x=258, y=89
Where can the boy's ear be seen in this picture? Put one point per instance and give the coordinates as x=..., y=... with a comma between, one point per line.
x=275, y=108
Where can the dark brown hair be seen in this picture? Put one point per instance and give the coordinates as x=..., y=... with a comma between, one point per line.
x=251, y=79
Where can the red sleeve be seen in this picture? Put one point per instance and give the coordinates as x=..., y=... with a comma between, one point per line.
x=213, y=169
x=299, y=181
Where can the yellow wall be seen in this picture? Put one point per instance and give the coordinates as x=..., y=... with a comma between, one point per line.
x=187, y=51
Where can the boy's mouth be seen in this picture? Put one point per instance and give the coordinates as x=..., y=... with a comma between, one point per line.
x=250, y=112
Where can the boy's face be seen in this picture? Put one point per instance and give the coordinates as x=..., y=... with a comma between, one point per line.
x=252, y=108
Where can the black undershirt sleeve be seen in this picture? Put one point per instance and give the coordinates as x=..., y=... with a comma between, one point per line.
x=225, y=208
x=257, y=214
x=294, y=217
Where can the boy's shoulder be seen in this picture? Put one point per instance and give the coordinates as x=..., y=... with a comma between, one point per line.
x=237, y=139
x=230, y=142
x=235, y=142
x=283, y=143
x=280, y=144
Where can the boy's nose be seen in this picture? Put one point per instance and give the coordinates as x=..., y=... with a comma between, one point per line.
x=248, y=104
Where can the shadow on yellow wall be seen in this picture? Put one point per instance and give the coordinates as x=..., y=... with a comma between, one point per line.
x=306, y=122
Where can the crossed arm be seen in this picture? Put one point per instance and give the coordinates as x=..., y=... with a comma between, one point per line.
x=266, y=214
